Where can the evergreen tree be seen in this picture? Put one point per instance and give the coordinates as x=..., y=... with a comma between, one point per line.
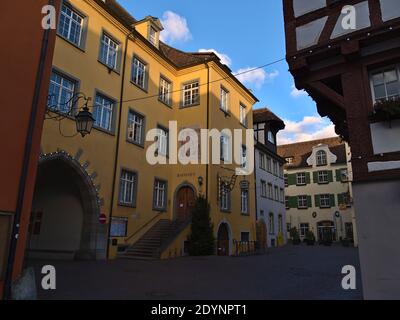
x=201, y=240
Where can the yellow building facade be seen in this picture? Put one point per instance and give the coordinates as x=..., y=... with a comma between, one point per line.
x=135, y=84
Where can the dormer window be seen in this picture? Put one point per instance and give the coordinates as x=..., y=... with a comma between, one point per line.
x=271, y=137
x=321, y=158
x=153, y=36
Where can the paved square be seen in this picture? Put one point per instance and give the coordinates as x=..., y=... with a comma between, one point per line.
x=293, y=272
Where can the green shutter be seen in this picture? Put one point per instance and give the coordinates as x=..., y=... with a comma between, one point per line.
x=339, y=175
x=330, y=176
x=340, y=198
x=315, y=176
x=317, y=201
x=308, y=178
x=291, y=179
x=309, y=201
x=293, y=202
x=333, y=204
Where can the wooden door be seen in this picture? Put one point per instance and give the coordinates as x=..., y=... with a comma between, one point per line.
x=185, y=204
x=223, y=240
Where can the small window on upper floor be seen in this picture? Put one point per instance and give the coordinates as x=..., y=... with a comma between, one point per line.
x=271, y=137
x=71, y=25
x=139, y=74
x=289, y=160
x=153, y=36
x=109, y=52
x=191, y=94
x=321, y=158
x=386, y=84
x=224, y=103
x=243, y=114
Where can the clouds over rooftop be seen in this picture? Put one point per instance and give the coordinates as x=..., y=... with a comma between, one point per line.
x=176, y=28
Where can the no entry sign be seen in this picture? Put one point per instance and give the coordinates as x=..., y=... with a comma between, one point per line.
x=103, y=219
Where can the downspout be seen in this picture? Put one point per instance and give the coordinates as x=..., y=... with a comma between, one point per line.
x=116, y=158
x=25, y=164
x=208, y=126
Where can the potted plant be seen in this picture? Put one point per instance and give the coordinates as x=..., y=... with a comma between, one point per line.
x=295, y=237
x=310, y=238
x=386, y=110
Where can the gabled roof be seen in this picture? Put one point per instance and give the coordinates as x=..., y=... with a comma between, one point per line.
x=301, y=151
x=176, y=57
x=266, y=115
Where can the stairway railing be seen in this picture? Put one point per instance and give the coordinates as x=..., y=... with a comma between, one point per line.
x=142, y=228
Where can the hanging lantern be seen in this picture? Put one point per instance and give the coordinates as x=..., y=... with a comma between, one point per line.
x=84, y=121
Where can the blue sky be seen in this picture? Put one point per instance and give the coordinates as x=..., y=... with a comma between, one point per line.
x=246, y=35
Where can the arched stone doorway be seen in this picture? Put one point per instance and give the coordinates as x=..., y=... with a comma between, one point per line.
x=262, y=235
x=223, y=240
x=185, y=201
x=65, y=210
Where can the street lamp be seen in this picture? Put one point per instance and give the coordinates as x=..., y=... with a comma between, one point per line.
x=84, y=121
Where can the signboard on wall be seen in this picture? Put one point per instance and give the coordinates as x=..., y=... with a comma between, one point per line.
x=5, y=233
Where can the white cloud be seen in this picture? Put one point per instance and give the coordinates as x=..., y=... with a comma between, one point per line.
x=310, y=128
x=225, y=59
x=175, y=28
x=256, y=77
x=295, y=93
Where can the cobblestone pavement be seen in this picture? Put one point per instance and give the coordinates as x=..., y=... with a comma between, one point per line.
x=293, y=272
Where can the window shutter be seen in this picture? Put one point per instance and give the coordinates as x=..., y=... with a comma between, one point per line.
x=339, y=175
x=330, y=176
x=340, y=199
x=292, y=202
x=292, y=179
x=309, y=201
x=317, y=201
x=315, y=176
x=333, y=203
x=308, y=178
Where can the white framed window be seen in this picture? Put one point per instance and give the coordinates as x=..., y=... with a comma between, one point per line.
x=153, y=36
x=103, y=112
x=270, y=191
x=70, y=25
x=301, y=179
x=280, y=224
x=224, y=100
x=191, y=94
x=262, y=160
x=109, y=51
x=127, y=190
x=269, y=164
x=386, y=84
x=271, y=223
x=304, y=227
x=162, y=141
x=289, y=160
x=119, y=227
x=139, y=69
x=302, y=202
x=135, y=128
x=287, y=205
x=322, y=158
x=225, y=198
x=264, y=189
x=244, y=201
x=276, y=192
x=243, y=114
x=271, y=137
x=243, y=157
x=165, y=91
x=61, y=91
x=323, y=177
x=325, y=201
x=282, y=195
x=344, y=175
x=160, y=195
x=225, y=148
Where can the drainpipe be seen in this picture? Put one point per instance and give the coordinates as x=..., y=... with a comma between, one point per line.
x=25, y=164
x=208, y=126
x=116, y=158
